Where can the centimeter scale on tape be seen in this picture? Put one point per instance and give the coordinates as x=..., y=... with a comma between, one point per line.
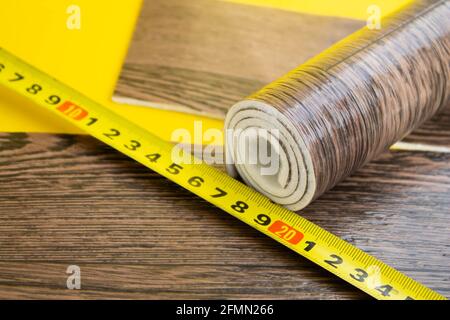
x=300, y=235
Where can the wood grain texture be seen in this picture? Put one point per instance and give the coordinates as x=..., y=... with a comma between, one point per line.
x=433, y=132
x=71, y=200
x=347, y=105
x=186, y=54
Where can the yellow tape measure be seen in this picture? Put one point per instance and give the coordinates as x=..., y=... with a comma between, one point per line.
x=305, y=238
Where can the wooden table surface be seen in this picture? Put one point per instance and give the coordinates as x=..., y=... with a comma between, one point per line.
x=70, y=200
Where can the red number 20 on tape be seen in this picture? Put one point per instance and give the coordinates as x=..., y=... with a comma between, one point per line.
x=286, y=232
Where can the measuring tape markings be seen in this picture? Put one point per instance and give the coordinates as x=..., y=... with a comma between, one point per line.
x=300, y=235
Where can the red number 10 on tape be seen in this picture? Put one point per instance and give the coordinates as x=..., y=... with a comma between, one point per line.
x=73, y=111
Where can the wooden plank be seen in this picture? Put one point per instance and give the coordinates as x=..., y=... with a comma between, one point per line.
x=202, y=56
x=434, y=132
x=68, y=200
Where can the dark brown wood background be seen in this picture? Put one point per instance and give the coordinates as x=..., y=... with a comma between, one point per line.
x=68, y=200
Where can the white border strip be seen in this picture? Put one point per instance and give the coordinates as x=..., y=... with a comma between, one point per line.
x=407, y=146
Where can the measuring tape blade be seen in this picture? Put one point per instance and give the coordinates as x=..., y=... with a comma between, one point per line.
x=300, y=235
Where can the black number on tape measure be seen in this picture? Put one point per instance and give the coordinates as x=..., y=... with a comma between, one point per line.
x=17, y=78
x=220, y=194
x=2, y=67
x=384, y=290
x=53, y=100
x=196, y=181
x=174, y=168
x=91, y=121
x=360, y=275
x=34, y=89
x=133, y=146
x=114, y=133
x=334, y=263
x=263, y=220
x=240, y=207
x=409, y=298
x=309, y=246
x=153, y=157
